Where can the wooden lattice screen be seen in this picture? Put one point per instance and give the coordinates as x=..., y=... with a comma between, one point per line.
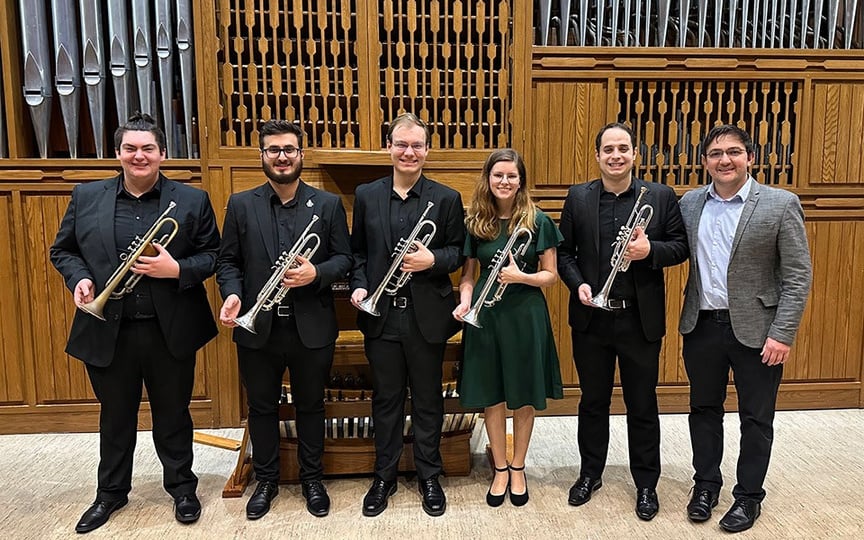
x=296, y=60
x=670, y=117
x=448, y=62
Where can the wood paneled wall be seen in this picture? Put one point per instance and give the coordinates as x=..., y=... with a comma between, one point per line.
x=344, y=68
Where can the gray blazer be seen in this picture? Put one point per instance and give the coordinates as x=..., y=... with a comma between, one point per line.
x=769, y=270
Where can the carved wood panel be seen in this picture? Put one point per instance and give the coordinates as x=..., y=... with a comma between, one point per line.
x=838, y=134
x=12, y=374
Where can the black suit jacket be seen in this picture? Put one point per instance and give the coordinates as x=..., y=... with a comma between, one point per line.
x=579, y=255
x=85, y=248
x=249, y=250
x=372, y=246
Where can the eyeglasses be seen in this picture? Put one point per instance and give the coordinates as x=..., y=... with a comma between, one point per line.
x=501, y=178
x=418, y=148
x=273, y=152
x=733, y=153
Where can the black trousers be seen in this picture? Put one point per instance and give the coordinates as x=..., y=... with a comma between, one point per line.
x=610, y=335
x=709, y=351
x=262, y=371
x=141, y=355
x=401, y=358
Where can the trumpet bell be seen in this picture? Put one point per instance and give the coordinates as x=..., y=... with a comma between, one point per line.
x=472, y=318
x=246, y=322
x=601, y=302
x=369, y=307
x=95, y=307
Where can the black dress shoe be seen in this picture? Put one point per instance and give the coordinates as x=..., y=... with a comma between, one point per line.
x=498, y=500
x=259, y=502
x=434, y=501
x=317, y=500
x=581, y=491
x=647, y=504
x=187, y=508
x=98, y=514
x=700, y=505
x=375, y=500
x=741, y=516
x=519, y=499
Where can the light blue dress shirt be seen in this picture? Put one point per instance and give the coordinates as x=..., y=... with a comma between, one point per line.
x=717, y=227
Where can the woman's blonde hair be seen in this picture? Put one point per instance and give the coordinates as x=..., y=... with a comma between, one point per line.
x=482, y=220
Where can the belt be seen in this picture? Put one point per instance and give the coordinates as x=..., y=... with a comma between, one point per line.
x=716, y=315
x=138, y=317
x=619, y=303
x=401, y=302
x=284, y=311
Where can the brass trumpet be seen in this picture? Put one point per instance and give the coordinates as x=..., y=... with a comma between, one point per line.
x=273, y=291
x=499, y=261
x=392, y=281
x=639, y=217
x=139, y=246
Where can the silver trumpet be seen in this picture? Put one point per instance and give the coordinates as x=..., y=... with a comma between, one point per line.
x=499, y=261
x=139, y=246
x=393, y=281
x=639, y=218
x=273, y=291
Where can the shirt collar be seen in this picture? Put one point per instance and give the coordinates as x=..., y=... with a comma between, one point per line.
x=275, y=200
x=415, y=190
x=740, y=196
x=154, y=191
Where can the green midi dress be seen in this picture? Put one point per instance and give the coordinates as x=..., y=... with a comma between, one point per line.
x=512, y=358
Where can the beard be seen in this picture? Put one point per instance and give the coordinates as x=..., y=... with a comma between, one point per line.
x=283, y=178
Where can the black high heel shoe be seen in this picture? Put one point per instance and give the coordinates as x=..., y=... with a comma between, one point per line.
x=498, y=500
x=519, y=499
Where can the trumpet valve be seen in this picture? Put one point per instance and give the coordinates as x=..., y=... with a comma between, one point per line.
x=149, y=250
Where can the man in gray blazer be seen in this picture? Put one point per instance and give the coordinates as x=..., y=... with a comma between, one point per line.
x=749, y=279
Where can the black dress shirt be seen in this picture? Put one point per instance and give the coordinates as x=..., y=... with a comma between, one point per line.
x=133, y=217
x=404, y=214
x=614, y=213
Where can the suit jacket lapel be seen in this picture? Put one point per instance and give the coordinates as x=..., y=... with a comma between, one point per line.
x=695, y=217
x=384, y=211
x=166, y=195
x=746, y=214
x=261, y=207
x=306, y=208
x=593, y=201
x=105, y=218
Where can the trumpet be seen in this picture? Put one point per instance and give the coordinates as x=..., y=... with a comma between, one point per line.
x=273, y=291
x=394, y=281
x=499, y=261
x=639, y=218
x=139, y=246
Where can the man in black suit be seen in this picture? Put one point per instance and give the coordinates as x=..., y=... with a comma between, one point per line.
x=299, y=332
x=152, y=333
x=405, y=343
x=632, y=326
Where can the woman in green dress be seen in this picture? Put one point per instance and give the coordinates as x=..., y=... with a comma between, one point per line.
x=510, y=361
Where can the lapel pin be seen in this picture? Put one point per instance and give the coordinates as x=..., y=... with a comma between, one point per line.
x=309, y=203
